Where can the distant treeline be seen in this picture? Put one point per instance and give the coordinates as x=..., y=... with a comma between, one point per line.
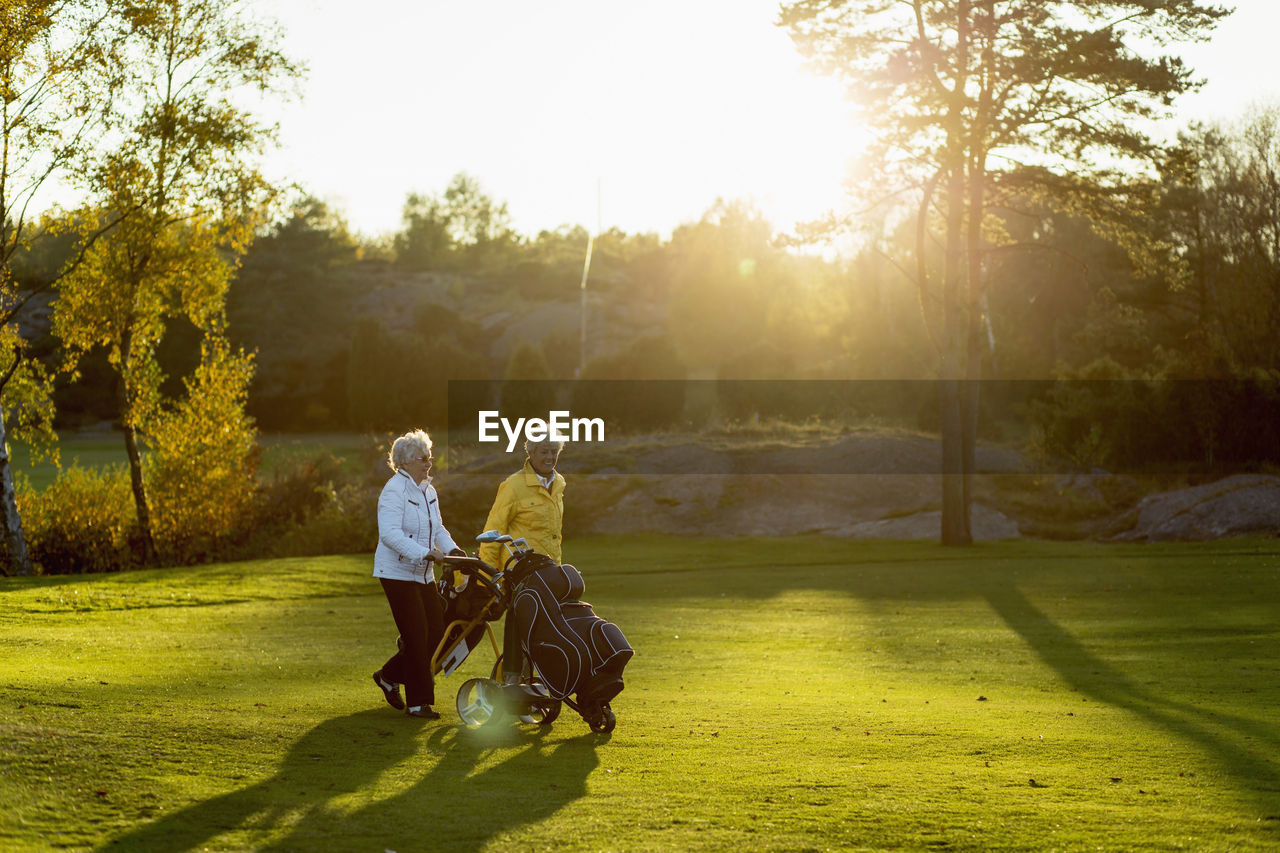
x=354, y=333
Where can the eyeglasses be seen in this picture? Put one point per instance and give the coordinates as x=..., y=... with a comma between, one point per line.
x=422, y=459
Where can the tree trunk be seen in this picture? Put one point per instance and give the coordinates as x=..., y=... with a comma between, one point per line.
x=135, y=457
x=955, y=507
x=971, y=392
x=955, y=511
x=14, y=540
x=139, y=494
x=969, y=399
x=984, y=35
x=953, y=422
x=975, y=298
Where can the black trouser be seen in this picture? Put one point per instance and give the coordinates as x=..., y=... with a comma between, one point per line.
x=419, y=613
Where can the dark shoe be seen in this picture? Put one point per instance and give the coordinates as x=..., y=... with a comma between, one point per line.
x=390, y=691
x=423, y=711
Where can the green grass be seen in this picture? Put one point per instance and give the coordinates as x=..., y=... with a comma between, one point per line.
x=281, y=453
x=100, y=449
x=88, y=449
x=788, y=694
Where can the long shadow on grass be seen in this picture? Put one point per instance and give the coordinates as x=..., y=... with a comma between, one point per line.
x=336, y=757
x=1243, y=746
x=477, y=784
x=473, y=786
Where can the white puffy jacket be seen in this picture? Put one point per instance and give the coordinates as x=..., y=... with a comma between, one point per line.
x=409, y=525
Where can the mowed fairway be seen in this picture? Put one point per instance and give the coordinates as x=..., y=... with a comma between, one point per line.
x=798, y=694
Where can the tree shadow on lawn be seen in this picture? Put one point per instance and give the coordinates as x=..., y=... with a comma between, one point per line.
x=1245, y=747
x=448, y=808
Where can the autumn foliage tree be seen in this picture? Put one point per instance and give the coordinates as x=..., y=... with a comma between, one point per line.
x=976, y=104
x=56, y=78
x=185, y=171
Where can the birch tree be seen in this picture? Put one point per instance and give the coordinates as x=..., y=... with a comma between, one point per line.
x=57, y=79
x=185, y=165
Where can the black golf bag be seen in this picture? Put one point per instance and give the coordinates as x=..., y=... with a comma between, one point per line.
x=574, y=650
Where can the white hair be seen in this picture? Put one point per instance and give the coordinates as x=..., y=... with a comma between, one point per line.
x=408, y=446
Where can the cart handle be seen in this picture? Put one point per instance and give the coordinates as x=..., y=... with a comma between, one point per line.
x=476, y=568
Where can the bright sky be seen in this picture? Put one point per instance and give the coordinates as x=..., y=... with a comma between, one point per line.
x=663, y=106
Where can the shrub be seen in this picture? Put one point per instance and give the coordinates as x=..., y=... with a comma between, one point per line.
x=293, y=494
x=344, y=522
x=83, y=522
x=201, y=469
x=1102, y=418
x=301, y=512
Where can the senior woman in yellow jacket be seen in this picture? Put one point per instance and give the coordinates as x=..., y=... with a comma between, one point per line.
x=529, y=506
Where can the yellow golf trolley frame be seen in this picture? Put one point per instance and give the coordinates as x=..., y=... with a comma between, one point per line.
x=474, y=605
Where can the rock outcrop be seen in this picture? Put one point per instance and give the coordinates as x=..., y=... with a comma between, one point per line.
x=1234, y=506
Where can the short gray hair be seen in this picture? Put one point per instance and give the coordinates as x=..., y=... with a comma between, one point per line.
x=529, y=444
x=408, y=446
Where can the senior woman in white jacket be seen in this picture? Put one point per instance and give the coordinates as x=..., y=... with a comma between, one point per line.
x=411, y=538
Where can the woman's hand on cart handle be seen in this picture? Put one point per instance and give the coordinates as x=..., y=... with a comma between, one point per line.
x=462, y=561
x=477, y=568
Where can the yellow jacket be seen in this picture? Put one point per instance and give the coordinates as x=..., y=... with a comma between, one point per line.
x=525, y=509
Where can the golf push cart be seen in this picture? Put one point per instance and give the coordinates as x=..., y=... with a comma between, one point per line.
x=571, y=656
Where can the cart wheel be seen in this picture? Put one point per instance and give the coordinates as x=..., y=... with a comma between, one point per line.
x=541, y=716
x=478, y=701
x=605, y=722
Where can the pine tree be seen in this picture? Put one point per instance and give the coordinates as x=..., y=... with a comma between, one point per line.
x=976, y=102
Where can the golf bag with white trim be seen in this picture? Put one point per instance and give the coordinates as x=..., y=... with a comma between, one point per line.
x=575, y=650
